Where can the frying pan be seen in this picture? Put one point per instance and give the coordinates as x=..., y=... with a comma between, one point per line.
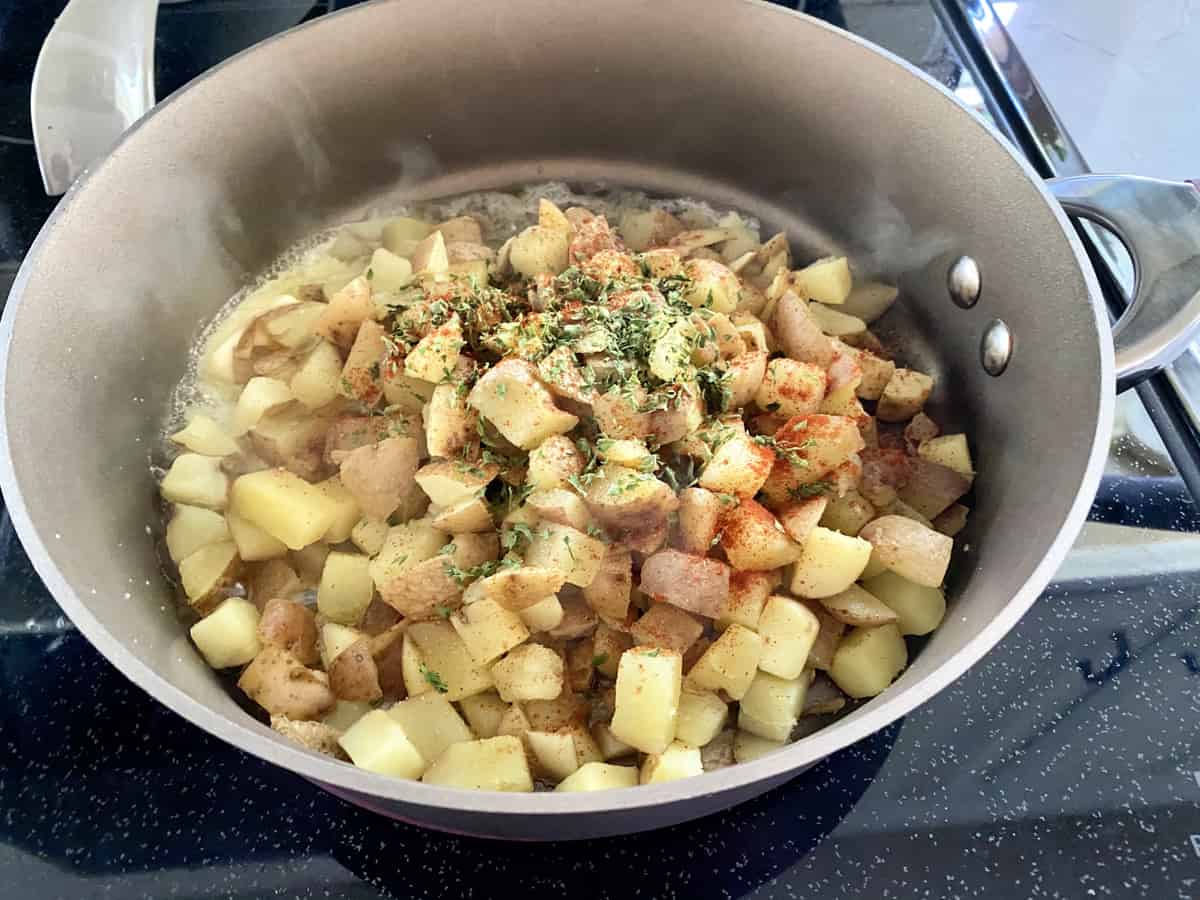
x=746, y=105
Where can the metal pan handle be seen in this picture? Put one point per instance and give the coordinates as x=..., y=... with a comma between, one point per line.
x=1159, y=224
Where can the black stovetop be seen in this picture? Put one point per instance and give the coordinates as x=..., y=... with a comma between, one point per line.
x=1066, y=764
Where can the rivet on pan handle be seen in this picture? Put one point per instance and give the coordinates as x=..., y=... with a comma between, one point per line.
x=1159, y=224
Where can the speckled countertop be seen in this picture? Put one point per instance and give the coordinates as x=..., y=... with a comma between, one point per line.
x=1066, y=764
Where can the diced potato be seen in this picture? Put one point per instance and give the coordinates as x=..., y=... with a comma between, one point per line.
x=483, y=713
x=748, y=747
x=206, y=571
x=378, y=743
x=347, y=310
x=554, y=752
x=290, y=625
x=904, y=396
x=699, y=514
x=368, y=535
x=284, y=505
x=835, y=323
x=694, y=583
x=253, y=543
x=274, y=578
x=858, y=606
x=827, y=280
x=666, y=626
x=876, y=373
x=643, y=229
x=739, y=467
x=228, y=636
x=649, y=682
x=609, y=593
x=348, y=512
x=280, y=684
x=529, y=672
x=436, y=354
x=192, y=527
x=791, y=388
x=431, y=723
x=552, y=463
x=293, y=439
x=848, y=513
x=607, y=646
x=919, y=608
x=488, y=629
x=260, y=397
x=746, y=372
x=868, y=660
x=830, y=563
x=491, y=764
x=949, y=450
x=748, y=593
x=447, y=483
x=335, y=638
x=353, y=674
x=624, y=499
x=387, y=271
x=404, y=547
x=403, y=233
x=788, y=630
x=195, y=480
x=702, y=715
x=346, y=587
x=345, y=713
x=713, y=286
x=539, y=249
x=318, y=379
x=910, y=549
x=869, y=300
x=811, y=447
x=609, y=745
x=800, y=518
x=563, y=549
x=447, y=662
x=565, y=710
x=412, y=669
x=800, y=337
x=515, y=401
x=309, y=561
x=560, y=506
x=204, y=436
x=469, y=516
x=931, y=488
x=597, y=776
x=729, y=664
x=754, y=540
x=429, y=255
x=520, y=589
x=952, y=520
x=679, y=760
x=772, y=705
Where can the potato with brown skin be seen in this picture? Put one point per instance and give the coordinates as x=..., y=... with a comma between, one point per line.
x=621, y=498
x=379, y=476
x=579, y=619
x=667, y=626
x=360, y=374
x=348, y=309
x=518, y=589
x=610, y=590
x=387, y=650
x=295, y=440
x=282, y=685
x=450, y=422
x=292, y=626
x=828, y=637
x=885, y=473
x=910, y=549
x=347, y=433
x=693, y=583
x=353, y=675
x=931, y=488
x=858, y=606
x=699, y=512
x=798, y=333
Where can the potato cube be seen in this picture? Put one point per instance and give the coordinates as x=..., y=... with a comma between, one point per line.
x=667, y=626
x=561, y=506
x=598, y=776
x=490, y=764
x=610, y=590
x=919, y=608
x=827, y=280
x=628, y=452
x=195, y=480
x=869, y=300
x=754, y=540
x=554, y=753
x=404, y=547
x=563, y=549
x=470, y=516
x=447, y=483
x=712, y=285
x=702, y=715
x=729, y=664
x=788, y=630
x=876, y=373
x=829, y=563
x=858, y=606
x=204, y=436
x=609, y=745
x=348, y=513
x=378, y=743
x=607, y=646
x=483, y=713
x=403, y=233
x=949, y=450
x=228, y=636
x=368, y=535
x=677, y=761
x=848, y=513
x=529, y=672
x=745, y=373
x=335, y=638
x=429, y=255
x=647, y=698
x=544, y=615
x=904, y=396
x=952, y=519
x=346, y=587
x=772, y=705
x=512, y=397
x=259, y=398
x=643, y=229
x=748, y=593
x=348, y=308
x=192, y=527
x=435, y=355
x=345, y=713
x=539, y=249
x=810, y=447
x=431, y=723
x=868, y=660
x=446, y=661
x=699, y=514
x=521, y=588
x=413, y=670
x=910, y=549
x=553, y=462
x=205, y=571
x=800, y=518
x=791, y=388
x=748, y=747
x=836, y=324
x=253, y=543
x=284, y=505
x=387, y=271
x=488, y=629
x=739, y=466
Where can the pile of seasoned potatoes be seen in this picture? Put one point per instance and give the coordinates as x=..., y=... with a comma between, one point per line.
x=606, y=505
